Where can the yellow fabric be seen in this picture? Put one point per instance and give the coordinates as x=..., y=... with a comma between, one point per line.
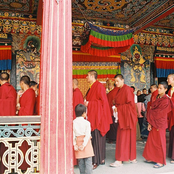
x=172, y=90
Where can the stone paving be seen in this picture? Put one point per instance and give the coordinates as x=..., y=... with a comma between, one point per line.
x=140, y=168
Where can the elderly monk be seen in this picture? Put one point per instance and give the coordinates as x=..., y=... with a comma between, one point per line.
x=127, y=120
x=99, y=116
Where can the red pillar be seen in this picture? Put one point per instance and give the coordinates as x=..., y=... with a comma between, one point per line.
x=56, y=88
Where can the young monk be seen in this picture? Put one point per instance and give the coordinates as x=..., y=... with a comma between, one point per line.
x=155, y=149
x=170, y=80
x=26, y=107
x=127, y=120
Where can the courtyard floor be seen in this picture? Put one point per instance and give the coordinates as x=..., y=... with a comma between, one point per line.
x=140, y=168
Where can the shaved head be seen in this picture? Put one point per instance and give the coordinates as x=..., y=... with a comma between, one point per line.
x=171, y=75
x=120, y=76
x=93, y=73
x=4, y=76
x=76, y=82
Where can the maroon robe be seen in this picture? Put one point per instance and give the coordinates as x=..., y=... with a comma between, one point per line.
x=36, y=107
x=171, y=128
x=77, y=99
x=27, y=103
x=127, y=119
x=155, y=149
x=112, y=133
x=7, y=108
x=99, y=115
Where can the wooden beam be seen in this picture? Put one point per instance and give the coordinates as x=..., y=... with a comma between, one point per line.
x=156, y=18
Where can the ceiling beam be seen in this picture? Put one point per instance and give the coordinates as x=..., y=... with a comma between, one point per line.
x=151, y=20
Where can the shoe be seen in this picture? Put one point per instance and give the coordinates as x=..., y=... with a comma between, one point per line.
x=116, y=164
x=157, y=166
x=94, y=166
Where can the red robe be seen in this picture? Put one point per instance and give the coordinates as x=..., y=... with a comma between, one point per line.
x=98, y=112
x=155, y=149
x=7, y=100
x=77, y=99
x=127, y=119
x=7, y=108
x=27, y=103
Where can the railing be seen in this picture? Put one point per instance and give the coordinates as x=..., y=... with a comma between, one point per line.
x=14, y=130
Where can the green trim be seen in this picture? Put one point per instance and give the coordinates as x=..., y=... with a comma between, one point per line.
x=111, y=38
x=101, y=48
x=99, y=71
x=5, y=44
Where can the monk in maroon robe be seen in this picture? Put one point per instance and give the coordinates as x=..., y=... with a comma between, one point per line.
x=77, y=99
x=99, y=115
x=170, y=80
x=27, y=103
x=77, y=96
x=127, y=120
x=7, y=105
x=112, y=133
x=155, y=149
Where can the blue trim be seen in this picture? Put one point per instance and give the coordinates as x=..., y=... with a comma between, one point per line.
x=5, y=64
x=164, y=72
x=111, y=32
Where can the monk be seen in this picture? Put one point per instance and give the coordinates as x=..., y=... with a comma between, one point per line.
x=27, y=103
x=99, y=116
x=112, y=133
x=127, y=120
x=170, y=80
x=77, y=96
x=7, y=96
x=7, y=105
x=155, y=149
x=77, y=99
x=37, y=103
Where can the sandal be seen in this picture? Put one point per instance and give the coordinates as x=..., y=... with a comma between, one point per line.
x=133, y=161
x=116, y=164
x=147, y=161
x=158, y=166
x=172, y=162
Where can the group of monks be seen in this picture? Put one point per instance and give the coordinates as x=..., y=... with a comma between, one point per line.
x=100, y=111
x=23, y=103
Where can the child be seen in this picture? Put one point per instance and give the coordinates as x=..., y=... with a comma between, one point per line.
x=82, y=140
x=155, y=149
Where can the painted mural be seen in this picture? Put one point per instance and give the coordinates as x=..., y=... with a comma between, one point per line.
x=28, y=58
x=136, y=62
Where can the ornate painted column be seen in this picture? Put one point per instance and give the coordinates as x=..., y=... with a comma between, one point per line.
x=56, y=88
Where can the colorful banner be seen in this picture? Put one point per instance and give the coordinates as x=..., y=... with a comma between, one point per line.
x=5, y=57
x=164, y=65
x=100, y=44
